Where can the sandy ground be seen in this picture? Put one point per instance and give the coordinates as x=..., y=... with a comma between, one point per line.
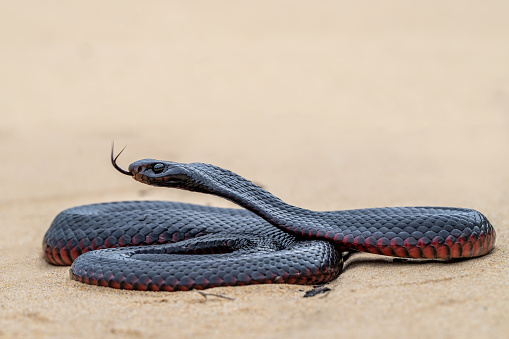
x=330, y=105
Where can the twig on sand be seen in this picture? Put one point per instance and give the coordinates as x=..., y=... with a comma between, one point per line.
x=205, y=295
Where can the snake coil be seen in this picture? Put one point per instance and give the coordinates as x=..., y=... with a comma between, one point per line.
x=188, y=246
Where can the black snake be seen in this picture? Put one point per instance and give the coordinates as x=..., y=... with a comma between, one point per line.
x=269, y=241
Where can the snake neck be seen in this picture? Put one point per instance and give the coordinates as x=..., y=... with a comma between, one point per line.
x=226, y=184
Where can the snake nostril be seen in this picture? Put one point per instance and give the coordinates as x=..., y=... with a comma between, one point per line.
x=139, y=169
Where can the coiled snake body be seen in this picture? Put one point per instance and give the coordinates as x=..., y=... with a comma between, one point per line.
x=195, y=247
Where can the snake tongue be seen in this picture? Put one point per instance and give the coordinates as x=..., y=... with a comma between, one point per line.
x=114, y=162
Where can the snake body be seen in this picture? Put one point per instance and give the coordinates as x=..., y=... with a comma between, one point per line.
x=269, y=241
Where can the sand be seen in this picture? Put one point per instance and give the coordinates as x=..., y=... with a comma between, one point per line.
x=331, y=105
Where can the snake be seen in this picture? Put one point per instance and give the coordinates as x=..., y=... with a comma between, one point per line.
x=173, y=246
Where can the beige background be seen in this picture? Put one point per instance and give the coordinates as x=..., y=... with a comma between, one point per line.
x=329, y=105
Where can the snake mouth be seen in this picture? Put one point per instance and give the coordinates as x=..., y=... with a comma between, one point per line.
x=162, y=181
x=114, y=161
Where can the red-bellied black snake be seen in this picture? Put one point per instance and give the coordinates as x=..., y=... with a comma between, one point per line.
x=269, y=241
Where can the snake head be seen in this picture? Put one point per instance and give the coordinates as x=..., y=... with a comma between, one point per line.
x=160, y=173
x=191, y=177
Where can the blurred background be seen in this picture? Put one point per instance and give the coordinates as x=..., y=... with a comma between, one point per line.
x=329, y=105
x=335, y=98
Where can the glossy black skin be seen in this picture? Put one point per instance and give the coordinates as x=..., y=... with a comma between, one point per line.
x=272, y=242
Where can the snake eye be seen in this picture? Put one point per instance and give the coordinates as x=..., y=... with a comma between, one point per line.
x=158, y=168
